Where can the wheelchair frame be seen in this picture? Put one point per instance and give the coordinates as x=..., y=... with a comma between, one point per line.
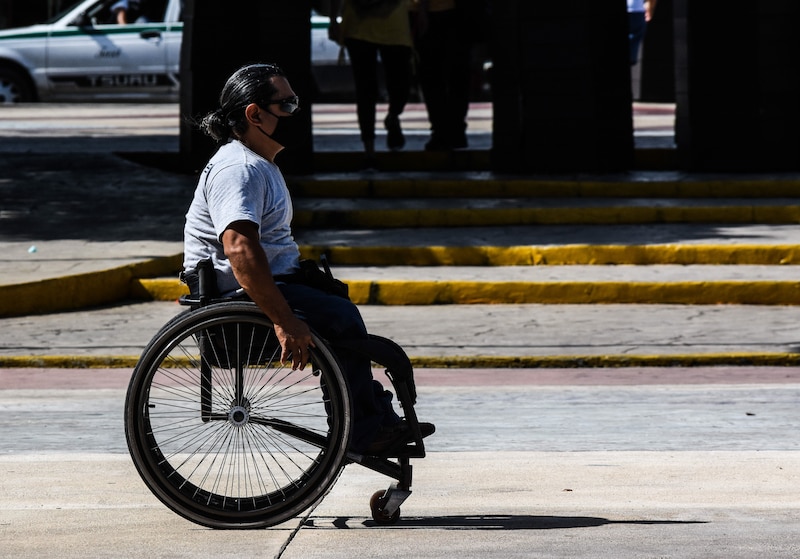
x=190, y=393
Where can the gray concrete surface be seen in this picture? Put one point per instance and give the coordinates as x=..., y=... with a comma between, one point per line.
x=540, y=332
x=506, y=504
x=684, y=463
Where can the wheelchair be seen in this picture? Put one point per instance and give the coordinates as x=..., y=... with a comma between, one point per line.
x=228, y=437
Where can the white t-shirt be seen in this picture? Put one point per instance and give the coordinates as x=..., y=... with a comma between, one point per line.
x=240, y=185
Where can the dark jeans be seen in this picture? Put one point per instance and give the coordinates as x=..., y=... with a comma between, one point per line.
x=335, y=318
x=396, y=61
x=443, y=72
x=636, y=30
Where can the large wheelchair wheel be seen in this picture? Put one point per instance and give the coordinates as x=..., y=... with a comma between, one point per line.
x=222, y=432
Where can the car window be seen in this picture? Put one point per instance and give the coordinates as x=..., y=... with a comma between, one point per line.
x=99, y=14
x=153, y=10
x=142, y=11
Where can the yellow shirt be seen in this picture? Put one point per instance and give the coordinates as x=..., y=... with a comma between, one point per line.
x=393, y=29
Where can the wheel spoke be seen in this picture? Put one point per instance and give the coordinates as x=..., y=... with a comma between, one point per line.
x=223, y=432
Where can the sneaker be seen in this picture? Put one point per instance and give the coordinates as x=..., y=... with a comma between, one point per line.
x=394, y=137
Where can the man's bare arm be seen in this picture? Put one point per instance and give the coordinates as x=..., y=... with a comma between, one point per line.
x=251, y=269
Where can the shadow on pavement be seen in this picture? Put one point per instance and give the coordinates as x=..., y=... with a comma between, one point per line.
x=486, y=522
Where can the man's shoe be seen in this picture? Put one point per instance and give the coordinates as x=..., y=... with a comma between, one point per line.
x=426, y=429
x=394, y=137
x=438, y=143
x=389, y=438
x=459, y=140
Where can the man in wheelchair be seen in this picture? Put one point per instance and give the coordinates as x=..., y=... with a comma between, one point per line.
x=240, y=219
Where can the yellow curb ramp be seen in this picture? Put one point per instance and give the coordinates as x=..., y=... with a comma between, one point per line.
x=464, y=361
x=495, y=217
x=482, y=185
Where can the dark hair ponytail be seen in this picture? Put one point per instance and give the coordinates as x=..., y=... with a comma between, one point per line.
x=249, y=84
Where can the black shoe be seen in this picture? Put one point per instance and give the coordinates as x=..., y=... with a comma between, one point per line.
x=369, y=163
x=388, y=438
x=438, y=143
x=458, y=140
x=392, y=437
x=394, y=137
x=426, y=429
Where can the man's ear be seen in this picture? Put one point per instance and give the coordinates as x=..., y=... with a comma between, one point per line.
x=252, y=113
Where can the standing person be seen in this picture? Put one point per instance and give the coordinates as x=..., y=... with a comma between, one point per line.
x=640, y=12
x=240, y=219
x=443, y=44
x=370, y=28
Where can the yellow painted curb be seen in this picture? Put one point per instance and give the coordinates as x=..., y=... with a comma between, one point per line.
x=484, y=185
x=401, y=292
x=108, y=286
x=68, y=361
x=466, y=292
x=158, y=289
x=65, y=293
x=575, y=254
x=466, y=362
x=80, y=290
x=486, y=217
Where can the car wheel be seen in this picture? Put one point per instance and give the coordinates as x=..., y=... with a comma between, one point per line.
x=14, y=87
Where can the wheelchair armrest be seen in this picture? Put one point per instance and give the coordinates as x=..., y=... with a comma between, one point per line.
x=386, y=353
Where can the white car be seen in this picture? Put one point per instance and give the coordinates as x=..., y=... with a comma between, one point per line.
x=85, y=54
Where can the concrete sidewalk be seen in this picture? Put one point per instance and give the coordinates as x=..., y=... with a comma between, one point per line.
x=91, y=229
x=485, y=336
x=497, y=505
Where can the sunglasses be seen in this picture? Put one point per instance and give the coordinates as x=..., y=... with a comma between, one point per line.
x=289, y=105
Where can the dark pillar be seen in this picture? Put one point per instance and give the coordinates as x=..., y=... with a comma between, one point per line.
x=738, y=85
x=221, y=36
x=561, y=86
x=658, y=56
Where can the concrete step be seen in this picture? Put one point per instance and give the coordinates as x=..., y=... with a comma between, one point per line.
x=484, y=184
x=607, y=263
x=415, y=199
x=460, y=285
x=673, y=243
x=466, y=212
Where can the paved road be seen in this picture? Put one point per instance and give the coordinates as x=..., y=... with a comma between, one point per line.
x=623, y=463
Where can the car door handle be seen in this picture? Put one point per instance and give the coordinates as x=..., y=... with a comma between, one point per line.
x=150, y=34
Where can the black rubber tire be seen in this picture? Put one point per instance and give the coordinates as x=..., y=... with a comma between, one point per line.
x=14, y=86
x=225, y=435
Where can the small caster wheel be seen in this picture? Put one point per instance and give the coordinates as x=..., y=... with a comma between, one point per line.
x=376, y=503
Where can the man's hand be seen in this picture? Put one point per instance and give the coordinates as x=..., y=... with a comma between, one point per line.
x=295, y=339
